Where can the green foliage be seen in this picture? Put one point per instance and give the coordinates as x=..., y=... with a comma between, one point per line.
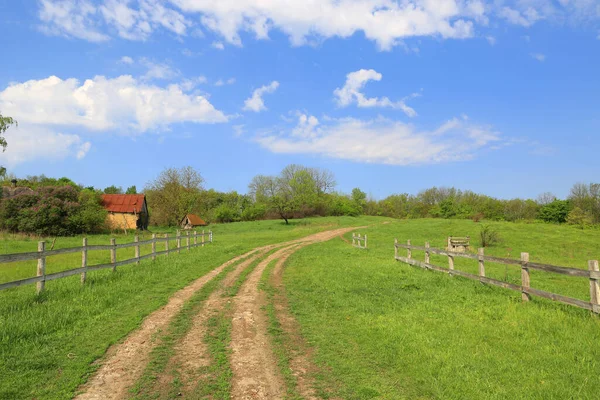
x=53, y=211
x=556, y=211
x=488, y=236
x=113, y=190
x=131, y=190
x=225, y=213
x=579, y=218
x=5, y=123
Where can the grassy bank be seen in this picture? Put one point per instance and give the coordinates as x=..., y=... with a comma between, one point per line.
x=383, y=329
x=48, y=343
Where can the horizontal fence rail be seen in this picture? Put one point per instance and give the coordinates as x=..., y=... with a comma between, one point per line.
x=359, y=241
x=191, y=241
x=593, y=273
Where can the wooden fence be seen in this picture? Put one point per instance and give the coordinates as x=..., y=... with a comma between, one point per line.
x=358, y=241
x=593, y=273
x=187, y=241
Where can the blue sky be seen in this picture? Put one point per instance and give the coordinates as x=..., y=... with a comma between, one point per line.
x=495, y=96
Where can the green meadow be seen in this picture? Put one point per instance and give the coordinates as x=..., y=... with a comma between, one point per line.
x=384, y=329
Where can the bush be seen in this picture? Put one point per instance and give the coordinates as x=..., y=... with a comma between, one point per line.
x=254, y=212
x=477, y=217
x=488, y=236
x=225, y=213
x=556, y=211
x=579, y=218
x=53, y=211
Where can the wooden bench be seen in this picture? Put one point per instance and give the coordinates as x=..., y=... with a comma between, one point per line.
x=458, y=244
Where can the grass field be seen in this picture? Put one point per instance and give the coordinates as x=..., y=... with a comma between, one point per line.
x=380, y=328
x=48, y=343
x=384, y=329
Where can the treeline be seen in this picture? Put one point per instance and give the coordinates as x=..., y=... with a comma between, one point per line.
x=62, y=207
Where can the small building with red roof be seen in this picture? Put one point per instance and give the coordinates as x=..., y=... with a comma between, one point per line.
x=191, y=221
x=126, y=211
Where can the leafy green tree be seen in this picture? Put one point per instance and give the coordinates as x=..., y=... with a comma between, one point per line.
x=113, y=190
x=360, y=199
x=579, y=218
x=131, y=190
x=5, y=123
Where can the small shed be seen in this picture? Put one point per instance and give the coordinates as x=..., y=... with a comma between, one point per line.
x=126, y=211
x=191, y=221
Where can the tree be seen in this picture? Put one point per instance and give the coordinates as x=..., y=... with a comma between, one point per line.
x=131, y=190
x=297, y=190
x=360, y=199
x=173, y=194
x=556, y=211
x=546, y=198
x=113, y=190
x=5, y=123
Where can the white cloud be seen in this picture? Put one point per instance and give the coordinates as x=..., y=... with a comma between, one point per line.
x=33, y=143
x=351, y=93
x=87, y=20
x=190, y=84
x=218, y=45
x=158, y=70
x=49, y=110
x=221, y=82
x=383, y=21
x=256, y=103
x=524, y=18
x=122, y=104
x=382, y=141
x=491, y=40
x=126, y=60
x=539, y=56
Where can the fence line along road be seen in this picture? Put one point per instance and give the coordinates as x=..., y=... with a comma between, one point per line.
x=42, y=254
x=358, y=241
x=593, y=273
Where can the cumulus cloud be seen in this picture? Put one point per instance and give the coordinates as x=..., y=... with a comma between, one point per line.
x=47, y=108
x=382, y=141
x=351, y=93
x=218, y=45
x=32, y=143
x=156, y=70
x=255, y=102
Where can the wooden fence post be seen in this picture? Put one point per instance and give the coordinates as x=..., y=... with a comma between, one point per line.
x=187, y=240
x=202, y=237
x=195, y=238
x=594, y=286
x=353, y=239
x=210, y=236
x=525, y=278
x=365, y=241
x=427, y=252
x=167, y=243
x=136, y=239
x=409, y=250
x=153, y=246
x=178, y=242
x=113, y=253
x=41, y=267
x=395, y=248
x=450, y=264
x=84, y=261
x=480, y=253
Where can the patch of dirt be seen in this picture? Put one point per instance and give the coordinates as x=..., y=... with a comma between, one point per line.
x=255, y=370
x=124, y=362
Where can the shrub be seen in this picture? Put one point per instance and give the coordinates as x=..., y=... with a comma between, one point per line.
x=488, y=236
x=477, y=217
x=556, y=211
x=225, y=213
x=579, y=218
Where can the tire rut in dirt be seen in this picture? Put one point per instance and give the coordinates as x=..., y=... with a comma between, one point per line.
x=255, y=371
x=124, y=362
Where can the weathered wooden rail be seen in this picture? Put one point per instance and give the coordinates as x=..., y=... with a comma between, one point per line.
x=359, y=241
x=42, y=254
x=593, y=273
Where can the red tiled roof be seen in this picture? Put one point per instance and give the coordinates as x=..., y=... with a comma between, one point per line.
x=123, y=203
x=195, y=220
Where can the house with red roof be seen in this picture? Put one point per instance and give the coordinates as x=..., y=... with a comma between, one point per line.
x=126, y=211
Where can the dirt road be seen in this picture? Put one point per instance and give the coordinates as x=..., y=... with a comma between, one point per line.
x=254, y=371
